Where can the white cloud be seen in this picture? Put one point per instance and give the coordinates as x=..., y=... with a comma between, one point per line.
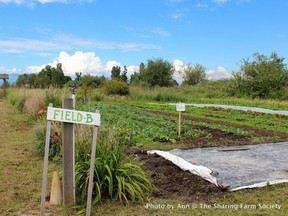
x=34, y=68
x=178, y=14
x=21, y=45
x=179, y=67
x=132, y=69
x=220, y=73
x=33, y=2
x=79, y=62
x=201, y=5
x=220, y=1
x=67, y=42
x=4, y=70
x=111, y=64
x=160, y=31
x=85, y=62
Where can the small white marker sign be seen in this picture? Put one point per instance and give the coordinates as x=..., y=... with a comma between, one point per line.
x=73, y=116
x=180, y=107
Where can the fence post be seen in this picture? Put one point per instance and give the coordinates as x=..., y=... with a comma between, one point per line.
x=68, y=158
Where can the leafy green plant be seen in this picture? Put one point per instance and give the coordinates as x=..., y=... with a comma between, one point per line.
x=55, y=142
x=116, y=176
x=225, y=129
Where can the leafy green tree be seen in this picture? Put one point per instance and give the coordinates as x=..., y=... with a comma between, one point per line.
x=158, y=72
x=135, y=78
x=115, y=72
x=124, y=75
x=78, y=76
x=194, y=75
x=264, y=77
x=49, y=76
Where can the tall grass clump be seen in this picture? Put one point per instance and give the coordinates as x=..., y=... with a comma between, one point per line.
x=17, y=98
x=55, y=96
x=116, y=176
x=35, y=101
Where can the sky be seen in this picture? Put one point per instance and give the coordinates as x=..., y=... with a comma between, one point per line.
x=92, y=36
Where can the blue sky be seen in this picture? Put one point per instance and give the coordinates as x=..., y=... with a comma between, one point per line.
x=92, y=36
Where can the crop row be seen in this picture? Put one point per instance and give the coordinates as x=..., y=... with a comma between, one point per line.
x=134, y=126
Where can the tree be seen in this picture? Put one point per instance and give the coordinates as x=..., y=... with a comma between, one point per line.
x=115, y=72
x=78, y=76
x=135, y=78
x=124, y=75
x=158, y=72
x=194, y=75
x=264, y=77
x=49, y=76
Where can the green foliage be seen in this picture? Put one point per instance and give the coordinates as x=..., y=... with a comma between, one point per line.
x=49, y=76
x=53, y=96
x=116, y=176
x=265, y=77
x=158, y=72
x=17, y=100
x=134, y=127
x=55, y=142
x=194, y=75
x=116, y=73
x=116, y=87
x=169, y=97
x=225, y=129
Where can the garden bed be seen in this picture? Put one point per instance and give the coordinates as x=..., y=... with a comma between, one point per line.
x=173, y=183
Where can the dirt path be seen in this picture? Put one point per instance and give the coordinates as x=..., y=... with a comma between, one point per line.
x=20, y=167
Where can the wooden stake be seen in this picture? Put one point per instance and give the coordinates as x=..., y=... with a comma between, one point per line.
x=45, y=170
x=179, y=124
x=92, y=165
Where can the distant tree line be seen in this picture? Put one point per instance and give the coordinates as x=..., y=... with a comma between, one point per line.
x=49, y=76
x=264, y=77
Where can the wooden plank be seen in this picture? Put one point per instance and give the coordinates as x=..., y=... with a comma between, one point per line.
x=4, y=76
x=68, y=158
x=45, y=170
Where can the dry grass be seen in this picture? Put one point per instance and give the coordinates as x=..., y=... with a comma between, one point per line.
x=20, y=166
x=35, y=101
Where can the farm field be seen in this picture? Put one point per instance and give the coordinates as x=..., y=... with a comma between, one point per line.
x=153, y=125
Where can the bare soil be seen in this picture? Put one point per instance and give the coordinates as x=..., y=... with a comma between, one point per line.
x=173, y=183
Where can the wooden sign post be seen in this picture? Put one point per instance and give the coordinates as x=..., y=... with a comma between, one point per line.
x=69, y=116
x=180, y=107
x=68, y=146
x=4, y=77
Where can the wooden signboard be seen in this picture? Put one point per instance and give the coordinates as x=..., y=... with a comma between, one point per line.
x=69, y=116
x=180, y=107
x=4, y=76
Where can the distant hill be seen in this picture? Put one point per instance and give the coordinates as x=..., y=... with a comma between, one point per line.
x=12, y=79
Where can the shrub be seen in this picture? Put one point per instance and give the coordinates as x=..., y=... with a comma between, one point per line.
x=116, y=87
